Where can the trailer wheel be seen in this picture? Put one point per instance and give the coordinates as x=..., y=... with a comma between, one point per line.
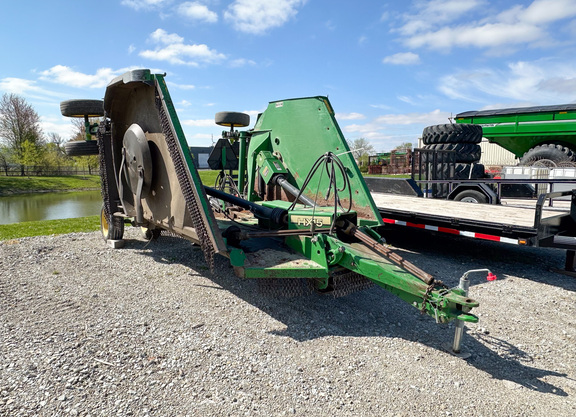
x=471, y=196
x=111, y=229
x=81, y=108
x=452, y=133
x=552, y=152
x=81, y=147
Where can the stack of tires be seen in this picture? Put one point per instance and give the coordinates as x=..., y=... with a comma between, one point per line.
x=464, y=140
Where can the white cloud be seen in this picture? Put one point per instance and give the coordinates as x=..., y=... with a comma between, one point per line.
x=539, y=82
x=162, y=37
x=258, y=16
x=199, y=123
x=60, y=126
x=182, y=86
x=61, y=74
x=25, y=87
x=402, y=58
x=241, y=62
x=145, y=4
x=172, y=49
x=393, y=129
x=442, y=24
x=349, y=116
x=197, y=11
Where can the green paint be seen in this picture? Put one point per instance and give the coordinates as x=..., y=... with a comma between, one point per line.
x=521, y=131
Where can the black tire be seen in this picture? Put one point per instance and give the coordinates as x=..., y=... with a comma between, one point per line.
x=471, y=196
x=465, y=152
x=462, y=171
x=452, y=133
x=81, y=147
x=150, y=234
x=81, y=108
x=111, y=229
x=229, y=118
x=555, y=153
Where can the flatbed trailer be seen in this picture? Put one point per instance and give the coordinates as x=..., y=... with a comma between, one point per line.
x=539, y=226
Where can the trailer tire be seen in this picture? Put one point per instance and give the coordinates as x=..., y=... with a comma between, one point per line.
x=556, y=153
x=111, y=229
x=465, y=152
x=81, y=108
x=471, y=196
x=81, y=147
x=452, y=133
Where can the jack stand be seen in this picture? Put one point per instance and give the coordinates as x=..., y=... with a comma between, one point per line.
x=464, y=285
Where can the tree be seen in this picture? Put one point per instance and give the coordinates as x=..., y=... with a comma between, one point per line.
x=403, y=147
x=32, y=154
x=19, y=123
x=361, y=149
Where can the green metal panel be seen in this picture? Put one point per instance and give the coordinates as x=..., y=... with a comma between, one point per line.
x=301, y=131
x=518, y=132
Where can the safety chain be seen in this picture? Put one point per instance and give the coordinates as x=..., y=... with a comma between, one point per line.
x=429, y=289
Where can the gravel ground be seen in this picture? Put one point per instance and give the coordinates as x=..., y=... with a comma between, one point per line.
x=147, y=330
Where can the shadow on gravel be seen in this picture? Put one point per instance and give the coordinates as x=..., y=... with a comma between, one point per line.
x=370, y=313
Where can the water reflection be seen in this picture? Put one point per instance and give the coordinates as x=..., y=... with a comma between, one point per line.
x=49, y=206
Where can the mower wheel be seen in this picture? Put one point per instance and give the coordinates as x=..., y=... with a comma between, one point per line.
x=81, y=147
x=112, y=229
x=81, y=108
x=233, y=119
x=150, y=234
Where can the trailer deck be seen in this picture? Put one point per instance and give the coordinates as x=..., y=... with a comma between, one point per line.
x=516, y=225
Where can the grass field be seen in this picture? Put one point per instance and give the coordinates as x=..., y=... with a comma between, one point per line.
x=49, y=227
x=16, y=185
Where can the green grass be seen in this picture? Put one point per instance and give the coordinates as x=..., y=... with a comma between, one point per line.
x=13, y=185
x=49, y=227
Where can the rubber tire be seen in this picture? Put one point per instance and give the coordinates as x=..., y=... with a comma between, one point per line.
x=471, y=196
x=556, y=153
x=466, y=152
x=462, y=171
x=452, y=133
x=150, y=234
x=81, y=148
x=111, y=230
x=229, y=118
x=81, y=108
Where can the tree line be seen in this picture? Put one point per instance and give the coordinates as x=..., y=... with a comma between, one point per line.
x=24, y=144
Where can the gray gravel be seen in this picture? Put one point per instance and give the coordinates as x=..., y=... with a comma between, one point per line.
x=147, y=330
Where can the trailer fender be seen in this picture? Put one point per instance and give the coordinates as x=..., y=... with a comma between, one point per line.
x=474, y=192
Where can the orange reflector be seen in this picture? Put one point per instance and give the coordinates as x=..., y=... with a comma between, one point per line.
x=522, y=241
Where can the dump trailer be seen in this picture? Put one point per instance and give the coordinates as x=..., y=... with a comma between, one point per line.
x=542, y=135
x=298, y=211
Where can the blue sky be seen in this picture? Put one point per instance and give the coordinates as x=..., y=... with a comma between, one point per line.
x=390, y=68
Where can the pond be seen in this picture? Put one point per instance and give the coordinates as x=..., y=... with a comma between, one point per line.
x=49, y=206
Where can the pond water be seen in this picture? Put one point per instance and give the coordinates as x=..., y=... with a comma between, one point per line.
x=49, y=206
